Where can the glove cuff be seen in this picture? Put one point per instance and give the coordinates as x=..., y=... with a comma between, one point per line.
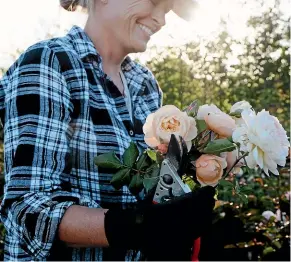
x=124, y=228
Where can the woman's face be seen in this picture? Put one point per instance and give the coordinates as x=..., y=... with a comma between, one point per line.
x=133, y=22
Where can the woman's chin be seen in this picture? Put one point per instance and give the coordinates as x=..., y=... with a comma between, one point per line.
x=140, y=47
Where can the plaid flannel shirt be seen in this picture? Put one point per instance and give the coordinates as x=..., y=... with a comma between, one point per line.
x=59, y=110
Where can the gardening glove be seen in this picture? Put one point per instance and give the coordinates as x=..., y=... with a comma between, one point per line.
x=160, y=229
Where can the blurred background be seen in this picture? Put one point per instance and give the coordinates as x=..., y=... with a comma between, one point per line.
x=233, y=50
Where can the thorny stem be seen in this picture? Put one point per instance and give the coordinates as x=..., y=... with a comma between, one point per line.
x=143, y=172
x=136, y=170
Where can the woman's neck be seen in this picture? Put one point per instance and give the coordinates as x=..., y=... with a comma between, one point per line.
x=111, y=52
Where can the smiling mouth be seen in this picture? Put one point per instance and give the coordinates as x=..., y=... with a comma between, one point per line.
x=146, y=29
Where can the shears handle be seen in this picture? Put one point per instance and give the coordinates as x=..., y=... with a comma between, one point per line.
x=196, y=246
x=196, y=249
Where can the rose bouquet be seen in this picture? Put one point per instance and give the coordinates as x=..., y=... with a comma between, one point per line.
x=218, y=144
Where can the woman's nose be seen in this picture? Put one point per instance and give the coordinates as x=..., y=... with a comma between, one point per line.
x=159, y=18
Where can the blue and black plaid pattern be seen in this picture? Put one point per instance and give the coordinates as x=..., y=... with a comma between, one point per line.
x=59, y=110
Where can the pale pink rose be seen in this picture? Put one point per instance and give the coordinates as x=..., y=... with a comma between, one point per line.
x=231, y=158
x=209, y=169
x=220, y=123
x=168, y=120
x=163, y=148
x=204, y=110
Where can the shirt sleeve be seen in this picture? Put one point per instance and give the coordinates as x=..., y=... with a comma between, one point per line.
x=37, y=153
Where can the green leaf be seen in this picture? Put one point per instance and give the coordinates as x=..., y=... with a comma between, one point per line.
x=218, y=146
x=277, y=244
x=190, y=182
x=237, y=113
x=201, y=125
x=268, y=250
x=143, y=162
x=246, y=190
x=153, y=171
x=136, y=184
x=130, y=155
x=243, y=198
x=151, y=178
x=152, y=154
x=226, y=183
x=160, y=158
x=150, y=183
x=121, y=178
x=108, y=160
x=230, y=139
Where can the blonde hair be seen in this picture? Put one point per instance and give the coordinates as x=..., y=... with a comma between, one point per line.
x=71, y=5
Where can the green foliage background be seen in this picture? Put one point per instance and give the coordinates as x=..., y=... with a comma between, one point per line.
x=262, y=77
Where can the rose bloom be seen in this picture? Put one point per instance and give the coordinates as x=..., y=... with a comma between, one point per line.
x=241, y=106
x=166, y=121
x=204, y=110
x=209, y=169
x=163, y=148
x=231, y=158
x=265, y=139
x=220, y=123
x=268, y=214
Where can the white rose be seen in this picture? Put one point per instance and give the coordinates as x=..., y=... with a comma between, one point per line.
x=264, y=138
x=241, y=106
x=268, y=214
x=204, y=110
x=166, y=121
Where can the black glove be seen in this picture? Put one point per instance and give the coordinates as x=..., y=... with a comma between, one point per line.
x=160, y=229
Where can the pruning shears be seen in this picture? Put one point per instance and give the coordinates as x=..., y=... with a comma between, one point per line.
x=170, y=182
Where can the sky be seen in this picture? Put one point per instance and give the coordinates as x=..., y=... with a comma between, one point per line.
x=23, y=23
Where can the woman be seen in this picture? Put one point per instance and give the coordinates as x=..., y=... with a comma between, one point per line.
x=63, y=102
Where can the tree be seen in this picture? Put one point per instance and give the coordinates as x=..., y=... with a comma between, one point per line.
x=263, y=75
x=175, y=77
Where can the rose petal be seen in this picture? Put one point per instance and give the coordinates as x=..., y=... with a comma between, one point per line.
x=151, y=141
x=192, y=132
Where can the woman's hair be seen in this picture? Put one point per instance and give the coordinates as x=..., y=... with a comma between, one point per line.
x=71, y=5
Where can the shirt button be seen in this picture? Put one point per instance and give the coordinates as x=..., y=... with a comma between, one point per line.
x=131, y=133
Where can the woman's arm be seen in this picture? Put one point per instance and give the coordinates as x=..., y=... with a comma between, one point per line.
x=38, y=111
x=83, y=227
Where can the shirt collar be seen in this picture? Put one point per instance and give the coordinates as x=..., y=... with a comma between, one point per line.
x=82, y=43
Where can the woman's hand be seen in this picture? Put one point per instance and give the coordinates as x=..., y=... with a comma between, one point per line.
x=163, y=228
